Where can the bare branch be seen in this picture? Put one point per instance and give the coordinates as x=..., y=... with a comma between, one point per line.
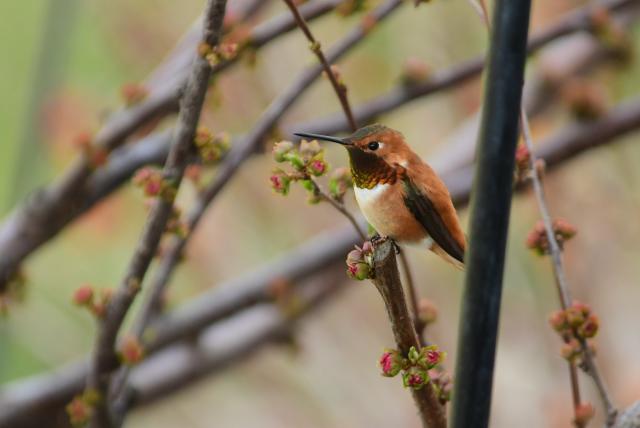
x=104, y=359
x=387, y=281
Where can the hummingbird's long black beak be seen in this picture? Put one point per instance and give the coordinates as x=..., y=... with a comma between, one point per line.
x=323, y=137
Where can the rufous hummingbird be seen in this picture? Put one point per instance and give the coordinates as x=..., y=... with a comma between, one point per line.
x=399, y=194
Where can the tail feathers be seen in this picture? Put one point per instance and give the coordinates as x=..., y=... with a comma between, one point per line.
x=442, y=253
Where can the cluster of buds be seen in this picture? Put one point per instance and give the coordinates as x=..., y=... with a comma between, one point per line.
x=217, y=54
x=131, y=351
x=537, y=238
x=360, y=262
x=86, y=297
x=133, y=93
x=586, y=100
x=211, y=147
x=415, y=366
x=415, y=71
x=575, y=324
x=523, y=164
x=176, y=225
x=154, y=184
x=307, y=162
x=350, y=7
x=96, y=156
x=81, y=407
x=340, y=182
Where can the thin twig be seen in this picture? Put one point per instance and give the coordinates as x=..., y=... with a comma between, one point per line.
x=559, y=273
x=104, y=359
x=573, y=371
x=340, y=89
x=319, y=191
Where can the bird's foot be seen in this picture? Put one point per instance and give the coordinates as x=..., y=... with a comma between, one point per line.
x=377, y=240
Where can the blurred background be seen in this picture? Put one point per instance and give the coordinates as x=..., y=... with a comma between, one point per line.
x=64, y=64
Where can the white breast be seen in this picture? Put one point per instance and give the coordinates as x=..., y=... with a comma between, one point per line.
x=366, y=197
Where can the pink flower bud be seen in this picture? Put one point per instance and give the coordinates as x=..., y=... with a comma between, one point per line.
x=79, y=411
x=391, y=362
x=131, y=351
x=83, y=296
x=415, y=378
x=133, y=93
x=584, y=413
x=558, y=321
x=590, y=327
x=359, y=271
x=415, y=71
x=280, y=182
x=570, y=350
x=317, y=167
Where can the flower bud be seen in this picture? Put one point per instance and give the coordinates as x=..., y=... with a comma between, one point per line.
x=309, y=149
x=570, y=350
x=133, y=93
x=589, y=328
x=415, y=378
x=415, y=71
x=391, y=362
x=584, y=413
x=359, y=271
x=280, y=149
x=317, y=167
x=431, y=355
x=339, y=182
x=280, y=182
x=83, y=296
x=131, y=351
x=564, y=230
x=558, y=321
x=79, y=411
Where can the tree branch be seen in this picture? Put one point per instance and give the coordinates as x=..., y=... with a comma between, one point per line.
x=387, y=281
x=104, y=358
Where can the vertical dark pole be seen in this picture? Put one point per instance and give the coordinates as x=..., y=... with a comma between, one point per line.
x=490, y=205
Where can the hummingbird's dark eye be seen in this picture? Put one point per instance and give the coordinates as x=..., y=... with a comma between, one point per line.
x=373, y=145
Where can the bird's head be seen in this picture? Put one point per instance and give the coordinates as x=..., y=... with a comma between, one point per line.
x=374, y=152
